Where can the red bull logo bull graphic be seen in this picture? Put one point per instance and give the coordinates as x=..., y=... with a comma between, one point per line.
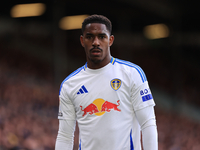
x=99, y=107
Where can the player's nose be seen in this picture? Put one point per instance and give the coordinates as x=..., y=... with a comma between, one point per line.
x=96, y=41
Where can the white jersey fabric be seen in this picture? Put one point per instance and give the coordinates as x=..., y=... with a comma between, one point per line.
x=104, y=102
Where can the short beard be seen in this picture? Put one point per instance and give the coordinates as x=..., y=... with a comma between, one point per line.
x=95, y=61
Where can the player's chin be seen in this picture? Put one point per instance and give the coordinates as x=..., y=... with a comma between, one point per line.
x=96, y=59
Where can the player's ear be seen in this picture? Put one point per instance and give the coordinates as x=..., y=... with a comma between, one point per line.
x=111, y=40
x=81, y=40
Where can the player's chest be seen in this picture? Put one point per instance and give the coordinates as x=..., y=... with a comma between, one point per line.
x=98, y=86
x=97, y=92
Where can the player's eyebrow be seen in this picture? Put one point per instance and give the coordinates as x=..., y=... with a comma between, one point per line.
x=101, y=34
x=88, y=34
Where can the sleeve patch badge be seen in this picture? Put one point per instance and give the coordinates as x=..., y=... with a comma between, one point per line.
x=146, y=95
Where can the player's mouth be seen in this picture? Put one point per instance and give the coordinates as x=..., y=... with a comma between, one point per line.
x=96, y=51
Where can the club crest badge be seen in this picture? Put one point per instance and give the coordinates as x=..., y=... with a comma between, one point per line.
x=115, y=84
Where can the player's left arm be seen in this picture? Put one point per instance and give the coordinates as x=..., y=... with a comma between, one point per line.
x=143, y=105
x=147, y=121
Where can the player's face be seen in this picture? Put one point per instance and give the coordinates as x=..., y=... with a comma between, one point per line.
x=96, y=41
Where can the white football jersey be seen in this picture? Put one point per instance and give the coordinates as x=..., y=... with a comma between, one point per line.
x=104, y=101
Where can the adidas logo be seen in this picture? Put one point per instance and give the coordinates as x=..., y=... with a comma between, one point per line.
x=82, y=90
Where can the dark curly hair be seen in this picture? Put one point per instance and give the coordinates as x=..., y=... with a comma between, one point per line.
x=97, y=19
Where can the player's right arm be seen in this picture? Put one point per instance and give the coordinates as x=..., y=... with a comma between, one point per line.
x=65, y=135
x=67, y=122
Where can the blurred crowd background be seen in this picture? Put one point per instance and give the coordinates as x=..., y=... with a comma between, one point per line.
x=36, y=55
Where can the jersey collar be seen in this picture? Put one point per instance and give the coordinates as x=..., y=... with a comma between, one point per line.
x=112, y=61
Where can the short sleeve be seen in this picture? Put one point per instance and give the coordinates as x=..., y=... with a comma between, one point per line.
x=141, y=96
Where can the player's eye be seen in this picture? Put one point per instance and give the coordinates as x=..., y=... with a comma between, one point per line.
x=102, y=37
x=88, y=37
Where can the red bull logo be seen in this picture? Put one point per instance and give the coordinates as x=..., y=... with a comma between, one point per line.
x=99, y=107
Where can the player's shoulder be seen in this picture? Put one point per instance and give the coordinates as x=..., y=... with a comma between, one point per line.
x=127, y=64
x=72, y=75
x=131, y=68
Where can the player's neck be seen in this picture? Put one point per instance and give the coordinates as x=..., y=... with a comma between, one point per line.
x=98, y=64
